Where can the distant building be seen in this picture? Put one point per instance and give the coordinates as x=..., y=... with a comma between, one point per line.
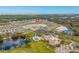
x=61, y=29
x=53, y=40
x=68, y=32
x=37, y=20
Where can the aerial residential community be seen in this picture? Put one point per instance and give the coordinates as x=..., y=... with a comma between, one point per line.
x=39, y=33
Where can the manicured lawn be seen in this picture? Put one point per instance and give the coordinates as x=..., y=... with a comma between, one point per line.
x=76, y=39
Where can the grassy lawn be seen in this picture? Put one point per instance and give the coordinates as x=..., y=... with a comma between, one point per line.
x=76, y=39
x=65, y=42
x=33, y=47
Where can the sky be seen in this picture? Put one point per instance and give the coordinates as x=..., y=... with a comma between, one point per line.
x=39, y=9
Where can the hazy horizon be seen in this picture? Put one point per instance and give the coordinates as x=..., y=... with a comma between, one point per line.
x=38, y=10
